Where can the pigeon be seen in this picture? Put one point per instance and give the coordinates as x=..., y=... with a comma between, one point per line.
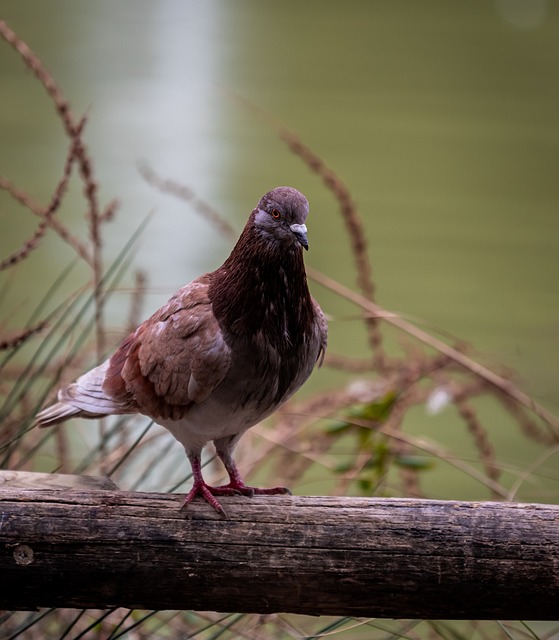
x=222, y=354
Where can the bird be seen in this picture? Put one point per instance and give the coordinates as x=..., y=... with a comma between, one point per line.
x=222, y=354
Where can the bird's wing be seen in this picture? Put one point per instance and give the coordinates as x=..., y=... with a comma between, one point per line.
x=174, y=359
x=321, y=326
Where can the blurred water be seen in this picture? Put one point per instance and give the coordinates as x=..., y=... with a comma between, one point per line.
x=143, y=74
x=443, y=118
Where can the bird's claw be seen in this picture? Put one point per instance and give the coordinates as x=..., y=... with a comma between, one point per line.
x=205, y=491
x=208, y=493
x=240, y=488
x=274, y=491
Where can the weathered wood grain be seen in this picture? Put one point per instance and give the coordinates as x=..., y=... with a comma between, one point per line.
x=28, y=480
x=321, y=556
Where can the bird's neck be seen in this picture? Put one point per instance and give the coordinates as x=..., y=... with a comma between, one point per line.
x=261, y=292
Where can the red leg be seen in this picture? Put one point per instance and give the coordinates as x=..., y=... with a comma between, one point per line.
x=236, y=485
x=200, y=488
x=236, y=482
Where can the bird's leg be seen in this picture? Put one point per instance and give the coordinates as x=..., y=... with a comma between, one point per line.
x=199, y=487
x=236, y=486
x=224, y=449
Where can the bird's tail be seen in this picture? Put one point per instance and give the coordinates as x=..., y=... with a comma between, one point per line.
x=84, y=398
x=60, y=412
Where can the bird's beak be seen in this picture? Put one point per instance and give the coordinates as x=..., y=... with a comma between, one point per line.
x=300, y=232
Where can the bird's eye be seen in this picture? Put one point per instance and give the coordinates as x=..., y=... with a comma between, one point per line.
x=276, y=214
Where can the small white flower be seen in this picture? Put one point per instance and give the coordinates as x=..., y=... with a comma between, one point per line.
x=438, y=400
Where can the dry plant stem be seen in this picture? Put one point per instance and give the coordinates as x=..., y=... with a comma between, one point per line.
x=95, y=218
x=62, y=450
x=481, y=440
x=548, y=453
x=527, y=425
x=138, y=296
x=343, y=363
x=25, y=200
x=346, y=479
x=90, y=190
x=33, y=63
x=27, y=247
x=109, y=212
x=410, y=483
x=409, y=477
x=503, y=385
x=21, y=336
x=188, y=195
x=48, y=213
x=286, y=434
x=257, y=452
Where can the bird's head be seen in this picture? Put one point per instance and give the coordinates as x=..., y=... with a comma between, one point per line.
x=280, y=217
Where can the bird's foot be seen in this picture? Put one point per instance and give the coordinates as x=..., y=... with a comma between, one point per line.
x=232, y=489
x=240, y=488
x=205, y=491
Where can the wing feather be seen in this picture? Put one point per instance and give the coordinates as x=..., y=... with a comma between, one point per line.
x=174, y=359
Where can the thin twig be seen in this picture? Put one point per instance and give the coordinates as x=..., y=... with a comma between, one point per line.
x=26, y=200
x=33, y=62
x=138, y=295
x=188, y=195
x=28, y=246
x=481, y=440
x=19, y=338
x=47, y=213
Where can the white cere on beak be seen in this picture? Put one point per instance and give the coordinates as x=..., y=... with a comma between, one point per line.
x=299, y=229
x=300, y=232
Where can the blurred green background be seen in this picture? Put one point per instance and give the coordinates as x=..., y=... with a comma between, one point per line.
x=441, y=117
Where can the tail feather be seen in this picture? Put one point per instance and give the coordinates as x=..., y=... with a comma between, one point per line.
x=84, y=398
x=60, y=412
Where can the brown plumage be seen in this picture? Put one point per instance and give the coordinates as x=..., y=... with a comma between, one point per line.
x=224, y=352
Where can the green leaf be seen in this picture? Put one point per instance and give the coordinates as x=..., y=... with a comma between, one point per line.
x=338, y=426
x=417, y=463
x=377, y=411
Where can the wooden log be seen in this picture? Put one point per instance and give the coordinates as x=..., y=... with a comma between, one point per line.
x=28, y=480
x=374, y=557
